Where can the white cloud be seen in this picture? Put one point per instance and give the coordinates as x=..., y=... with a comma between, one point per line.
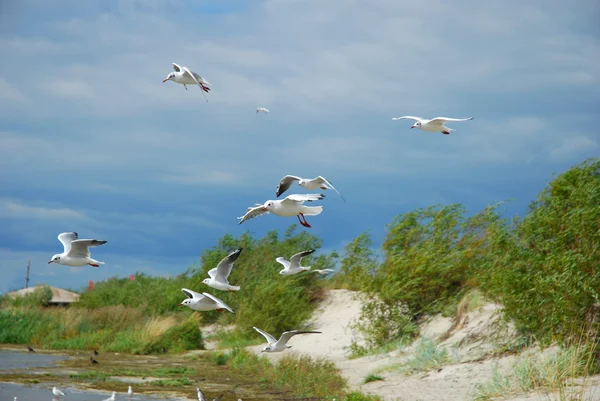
x=570, y=146
x=12, y=209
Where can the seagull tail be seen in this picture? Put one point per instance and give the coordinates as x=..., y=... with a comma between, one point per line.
x=234, y=288
x=313, y=210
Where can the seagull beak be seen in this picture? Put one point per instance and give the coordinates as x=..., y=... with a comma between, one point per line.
x=165, y=80
x=265, y=209
x=50, y=261
x=179, y=304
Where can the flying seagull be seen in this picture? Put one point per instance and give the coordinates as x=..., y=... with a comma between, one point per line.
x=182, y=75
x=281, y=344
x=218, y=275
x=319, y=182
x=203, y=302
x=293, y=265
x=435, y=125
x=263, y=110
x=293, y=205
x=76, y=251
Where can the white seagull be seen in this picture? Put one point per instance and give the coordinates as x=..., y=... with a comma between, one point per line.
x=316, y=183
x=435, y=125
x=293, y=205
x=129, y=392
x=281, y=344
x=323, y=271
x=263, y=110
x=293, y=265
x=184, y=76
x=112, y=397
x=57, y=392
x=218, y=275
x=203, y=302
x=200, y=394
x=76, y=251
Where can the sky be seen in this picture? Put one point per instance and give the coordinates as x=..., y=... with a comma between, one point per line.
x=92, y=141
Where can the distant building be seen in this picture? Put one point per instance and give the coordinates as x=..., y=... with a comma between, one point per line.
x=59, y=296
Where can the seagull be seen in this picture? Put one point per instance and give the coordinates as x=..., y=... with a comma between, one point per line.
x=281, y=344
x=96, y=352
x=183, y=75
x=218, y=275
x=129, y=392
x=93, y=361
x=201, y=396
x=30, y=349
x=57, y=392
x=293, y=205
x=263, y=110
x=293, y=265
x=203, y=302
x=323, y=271
x=77, y=252
x=435, y=125
x=316, y=183
x=112, y=397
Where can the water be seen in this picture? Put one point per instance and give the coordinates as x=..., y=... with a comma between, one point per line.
x=21, y=360
x=9, y=391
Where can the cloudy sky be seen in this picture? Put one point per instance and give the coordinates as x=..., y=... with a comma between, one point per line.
x=92, y=141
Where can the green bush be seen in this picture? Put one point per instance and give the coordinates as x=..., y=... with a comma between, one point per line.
x=358, y=265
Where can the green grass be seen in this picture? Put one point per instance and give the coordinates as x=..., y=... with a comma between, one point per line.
x=182, y=381
x=372, y=377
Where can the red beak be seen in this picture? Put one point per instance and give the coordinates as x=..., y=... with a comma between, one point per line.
x=165, y=80
x=265, y=209
x=50, y=261
x=180, y=305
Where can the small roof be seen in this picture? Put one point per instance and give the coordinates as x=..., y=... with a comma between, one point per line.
x=59, y=296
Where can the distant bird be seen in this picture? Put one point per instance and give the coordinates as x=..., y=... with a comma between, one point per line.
x=57, y=392
x=293, y=265
x=203, y=302
x=129, y=392
x=76, y=251
x=200, y=394
x=184, y=76
x=263, y=110
x=323, y=271
x=93, y=361
x=30, y=349
x=15, y=399
x=218, y=398
x=434, y=125
x=319, y=182
x=281, y=344
x=96, y=352
x=219, y=275
x=293, y=205
x=112, y=397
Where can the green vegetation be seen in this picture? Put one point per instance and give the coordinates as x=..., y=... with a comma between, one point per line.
x=373, y=377
x=40, y=296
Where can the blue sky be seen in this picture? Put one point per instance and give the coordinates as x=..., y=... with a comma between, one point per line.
x=92, y=141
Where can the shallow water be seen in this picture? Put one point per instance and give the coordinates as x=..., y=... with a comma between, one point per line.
x=21, y=360
x=8, y=391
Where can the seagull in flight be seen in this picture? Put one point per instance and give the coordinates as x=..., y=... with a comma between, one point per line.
x=218, y=275
x=434, y=125
x=262, y=109
x=293, y=205
x=182, y=75
x=76, y=251
x=319, y=182
x=281, y=344
x=293, y=265
x=203, y=302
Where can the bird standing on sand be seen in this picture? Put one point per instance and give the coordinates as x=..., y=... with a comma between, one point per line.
x=93, y=361
x=434, y=125
x=112, y=397
x=76, y=251
x=281, y=344
x=30, y=349
x=96, y=352
x=293, y=265
x=129, y=392
x=200, y=394
x=57, y=392
x=219, y=275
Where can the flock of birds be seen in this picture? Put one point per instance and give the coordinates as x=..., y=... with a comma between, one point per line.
x=77, y=251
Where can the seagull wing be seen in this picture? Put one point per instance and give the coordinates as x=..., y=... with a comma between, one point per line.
x=81, y=247
x=176, y=67
x=407, y=118
x=218, y=301
x=285, y=337
x=297, y=258
x=192, y=294
x=442, y=120
x=224, y=267
x=284, y=262
x=270, y=338
x=193, y=75
x=285, y=183
x=330, y=185
x=301, y=198
x=252, y=213
x=66, y=239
